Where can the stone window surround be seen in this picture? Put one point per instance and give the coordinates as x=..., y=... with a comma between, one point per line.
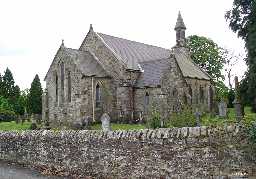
x=146, y=99
x=69, y=86
x=97, y=95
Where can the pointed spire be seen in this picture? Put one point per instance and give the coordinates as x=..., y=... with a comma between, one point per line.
x=180, y=23
x=180, y=29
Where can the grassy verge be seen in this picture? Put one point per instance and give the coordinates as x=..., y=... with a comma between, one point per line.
x=8, y=126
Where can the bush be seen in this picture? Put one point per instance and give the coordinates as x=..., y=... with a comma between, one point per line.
x=185, y=118
x=252, y=132
x=7, y=115
x=154, y=120
x=33, y=126
x=4, y=104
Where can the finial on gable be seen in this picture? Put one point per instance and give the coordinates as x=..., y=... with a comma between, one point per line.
x=62, y=43
x=91, y=28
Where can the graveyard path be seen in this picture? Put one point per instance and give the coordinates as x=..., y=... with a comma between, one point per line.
x=12, y=171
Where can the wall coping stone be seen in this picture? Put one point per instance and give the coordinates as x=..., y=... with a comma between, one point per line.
x=142, y=134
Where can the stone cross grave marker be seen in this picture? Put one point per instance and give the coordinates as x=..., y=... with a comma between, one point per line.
x=237, y=102
x=105, y=122
x=222, y=109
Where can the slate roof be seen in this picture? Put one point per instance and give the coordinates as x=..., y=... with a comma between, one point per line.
x=132, y=53
x=152, y=72
x=153, y=60
x=85, y=61
x=187, y=66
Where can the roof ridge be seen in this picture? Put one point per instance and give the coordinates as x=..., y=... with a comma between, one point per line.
x=133, y=41
x=144, y=62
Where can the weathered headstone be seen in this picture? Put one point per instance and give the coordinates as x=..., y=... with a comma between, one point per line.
x=105, y=122
x=77, y=125
x=33, y=125
x=140, y=117
x=86, y=122
x=222, y=109
x=237, y=102
x=198, y=117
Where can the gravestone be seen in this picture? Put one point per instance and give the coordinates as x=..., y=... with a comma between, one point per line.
x=105, y=122
x=86, y=120
x=198, y=117
x=33, y=125
x=237, y=102
x=77, y=125
x=222, y=109
x=140, y=117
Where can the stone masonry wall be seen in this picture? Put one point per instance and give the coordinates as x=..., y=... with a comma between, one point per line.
x=163, y=153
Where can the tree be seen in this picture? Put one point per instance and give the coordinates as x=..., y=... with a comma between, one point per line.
x=14, y=100
x=1, y=85
x=231, y=59
x=10, y=91
x=242, y=20
x=243, y=91
x=207, y=54
x=211, y=58
x=23, y=99
x=4, y=104
x=35, y=97
x=8, y=84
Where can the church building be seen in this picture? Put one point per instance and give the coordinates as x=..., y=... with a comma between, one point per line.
x=123, y=78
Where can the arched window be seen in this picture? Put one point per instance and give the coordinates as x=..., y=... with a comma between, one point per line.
x=196, y=95
x=190, y=93
x=210, y=98
x=62, y=81
x=69, y=86
x=56, y=89
x=201, y=94
x=146, y=99
x=175, y=92
x=97, y=95
x=185, y=101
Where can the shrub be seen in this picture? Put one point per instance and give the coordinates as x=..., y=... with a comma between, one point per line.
x=33, y=126
x=252, y=132
x=7, y=115
x=185, y=118
x=4, y=104
x=154, y=119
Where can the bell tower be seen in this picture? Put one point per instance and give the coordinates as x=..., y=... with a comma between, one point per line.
x=180, y=29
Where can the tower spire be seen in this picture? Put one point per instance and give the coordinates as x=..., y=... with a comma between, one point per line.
x=180, y=29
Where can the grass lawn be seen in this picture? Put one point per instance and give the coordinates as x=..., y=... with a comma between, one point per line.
x=7, y=126
x=208, y=120
x=121, y=126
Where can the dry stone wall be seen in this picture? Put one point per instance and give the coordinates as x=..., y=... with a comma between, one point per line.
x=198, y=152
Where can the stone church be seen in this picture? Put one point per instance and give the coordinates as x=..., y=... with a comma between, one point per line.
x=124, y=78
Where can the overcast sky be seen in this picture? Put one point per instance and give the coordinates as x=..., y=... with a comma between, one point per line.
x=31, y=30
